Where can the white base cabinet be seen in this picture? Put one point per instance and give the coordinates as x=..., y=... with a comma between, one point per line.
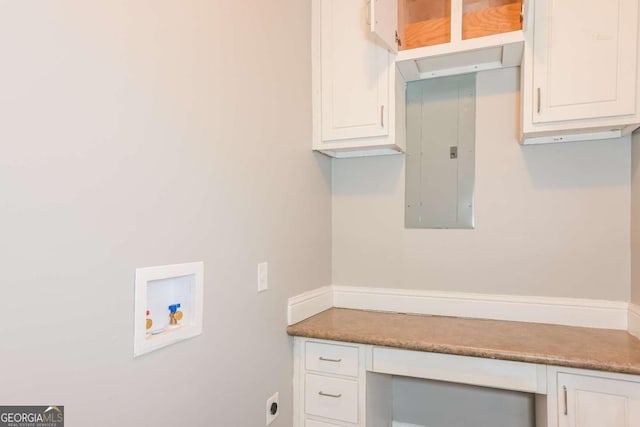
x=593, y=399
x=579, y=72
x=339, y=384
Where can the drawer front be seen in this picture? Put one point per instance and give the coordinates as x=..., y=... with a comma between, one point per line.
x=331, y=398
x=314, y=423
x=331, y=358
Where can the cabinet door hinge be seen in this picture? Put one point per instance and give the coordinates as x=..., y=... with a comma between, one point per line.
x=398, y=41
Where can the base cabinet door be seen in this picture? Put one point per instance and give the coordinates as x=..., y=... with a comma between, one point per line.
x=586, y=401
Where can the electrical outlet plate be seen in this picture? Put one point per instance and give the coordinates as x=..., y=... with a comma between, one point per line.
x=270, y=401
x=155, y=289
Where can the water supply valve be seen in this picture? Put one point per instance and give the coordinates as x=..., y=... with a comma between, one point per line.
x=174, y=314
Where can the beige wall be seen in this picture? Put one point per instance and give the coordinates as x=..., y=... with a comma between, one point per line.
x=635, y=219
x=142, y=133
x=551, y=220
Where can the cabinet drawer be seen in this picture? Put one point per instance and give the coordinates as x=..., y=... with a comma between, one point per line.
x=331, y=398
x=332, y=358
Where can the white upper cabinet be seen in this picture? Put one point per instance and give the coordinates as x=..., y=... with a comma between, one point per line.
x=353, y=82
x=585, y=63
x=580, y=75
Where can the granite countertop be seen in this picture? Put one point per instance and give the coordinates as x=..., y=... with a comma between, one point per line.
x=587, y=348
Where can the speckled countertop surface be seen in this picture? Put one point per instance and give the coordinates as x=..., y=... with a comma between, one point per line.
x=587, y=348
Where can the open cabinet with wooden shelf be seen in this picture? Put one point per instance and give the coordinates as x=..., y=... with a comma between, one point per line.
x=428, y=22
x=435, y=38
x=423, y=23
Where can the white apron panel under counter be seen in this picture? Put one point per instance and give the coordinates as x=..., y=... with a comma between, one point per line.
x=504, y=374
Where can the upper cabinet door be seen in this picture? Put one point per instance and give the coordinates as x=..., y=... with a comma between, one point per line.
x=384, y=22
x=355, y=74
x=585, y=55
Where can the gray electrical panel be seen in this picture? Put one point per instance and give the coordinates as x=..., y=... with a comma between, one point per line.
x=440, y=167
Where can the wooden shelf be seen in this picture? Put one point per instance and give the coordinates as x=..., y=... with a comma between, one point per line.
x=490, y=21
x=427, y=33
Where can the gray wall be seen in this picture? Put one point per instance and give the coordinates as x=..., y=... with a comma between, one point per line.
x=442, y=404
x=551, y=220
x=635, y=219
x=142, y=133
